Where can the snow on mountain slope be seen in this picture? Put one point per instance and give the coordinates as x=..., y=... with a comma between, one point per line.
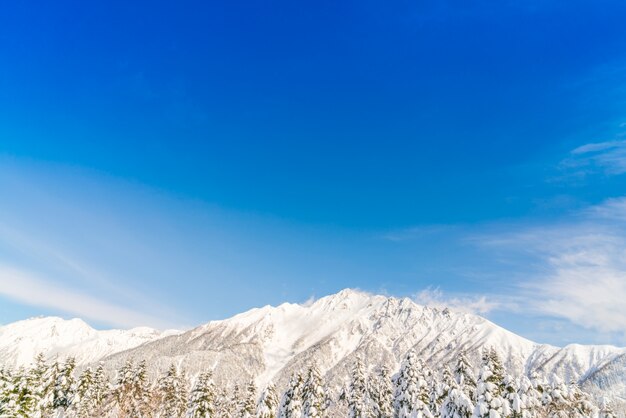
x=270, y=343
x=21, y=341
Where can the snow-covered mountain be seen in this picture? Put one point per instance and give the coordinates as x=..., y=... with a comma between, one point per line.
x=270, y=343
x=21, y=341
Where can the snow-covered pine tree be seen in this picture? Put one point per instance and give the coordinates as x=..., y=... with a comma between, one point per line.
x=39, y=386
x=456, y=404
x=141, y=388
x=554, y=398
x=224, y=407
x=313, y=394
x=582, y=406
x=19, y=401
x=381, y=394
x=358, y=397
x=65, y=387
x=464, y=376
x=527, y=403
x=82, y=405
x=123, y=391
x=267, y=406
x=132, y=392
x=496, y=367
x=47, y=389
x=439, y=389
x=172, y=391
x=233, y=404
x=411, y=395
x=100, y=389
x=561, y=400
x=247, y=408
x=291, y=402
x=490, y=402
x=511, y=395
x=5, y=385
x=541, y=389
x=202, y=397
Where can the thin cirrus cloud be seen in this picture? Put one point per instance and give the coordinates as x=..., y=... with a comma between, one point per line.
x=63, y=249
x=474, y=304
x=607, y=157
x=580, y=267
x=571, y=270
x=28, y=288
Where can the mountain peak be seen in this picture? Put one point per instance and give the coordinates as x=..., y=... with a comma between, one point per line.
x=22, y=341
x=344, y=298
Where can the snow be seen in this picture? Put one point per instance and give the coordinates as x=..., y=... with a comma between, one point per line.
x=269, y=343
x=21, y=341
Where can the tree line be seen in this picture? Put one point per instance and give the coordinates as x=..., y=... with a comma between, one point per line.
x=56, y=390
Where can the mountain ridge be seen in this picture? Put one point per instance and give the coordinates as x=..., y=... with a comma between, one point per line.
x=22, y=340
x=271, y=342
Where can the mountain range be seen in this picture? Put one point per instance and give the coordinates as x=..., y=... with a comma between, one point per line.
x=270, y=343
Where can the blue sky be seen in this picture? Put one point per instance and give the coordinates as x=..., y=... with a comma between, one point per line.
x=167, y=164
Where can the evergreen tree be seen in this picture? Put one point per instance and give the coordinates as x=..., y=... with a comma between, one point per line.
x=40, y=386
x=173, y=394
x=439, y=389
x=20, y=399
x=100, y=389
x=247, y=408
x=464, y=377
x=556, y=399
x=358, y=399
x=381, y=394
x=510, y=394
x=313, y=394
x=202, y=398
x=561, y=400
x=411, y=396
x=267, y=406
x=123, y=389
x=65, y=386
x=132, y=392
x=497, y=369
x=541, y=389
x=82, y=405
x=581, y=405
x=456, y=404
x=291, y=402
x=225, y=405
x=527, y=402
x=5, y=388
x=538, y=383
x=235, y=401
x=490, y=388
x=47, y=390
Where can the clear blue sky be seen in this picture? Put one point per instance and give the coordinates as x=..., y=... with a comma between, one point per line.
x=168, y=163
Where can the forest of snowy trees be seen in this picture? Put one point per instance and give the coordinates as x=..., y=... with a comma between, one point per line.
x=57, y=390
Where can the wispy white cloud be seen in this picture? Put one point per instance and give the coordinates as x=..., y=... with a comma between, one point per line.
x=607, y=157
x=473, y=304
x=78, y=235
x=611, y=210
x=310, y=301
x=581, y=274
x=588, y=288
x=28, y=288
